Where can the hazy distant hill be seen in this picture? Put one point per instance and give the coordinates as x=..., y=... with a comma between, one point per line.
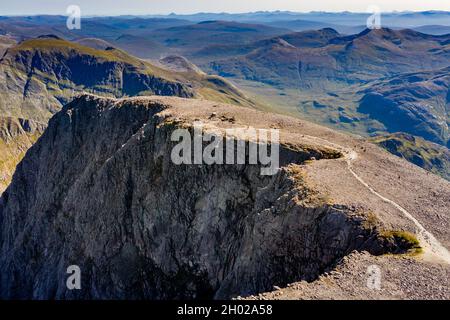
x=140, y=25
x=94, y=43
x=140, y=46
x=324, y=57
x=332, y=75
x=106, y=28
x=434, y=29
x=214, y=32
x=392, y=19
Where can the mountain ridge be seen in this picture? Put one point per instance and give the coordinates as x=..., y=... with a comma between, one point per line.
x=39, y=76
x=94, y=140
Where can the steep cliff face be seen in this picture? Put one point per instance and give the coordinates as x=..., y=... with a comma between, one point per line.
x=99, y=190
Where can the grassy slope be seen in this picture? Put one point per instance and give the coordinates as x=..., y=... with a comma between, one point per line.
x=11, y=153
x=428, y=155
x=208, y=87
x=14, y=142
x=340, y=67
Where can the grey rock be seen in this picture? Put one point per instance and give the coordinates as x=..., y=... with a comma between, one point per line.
x=99, y=190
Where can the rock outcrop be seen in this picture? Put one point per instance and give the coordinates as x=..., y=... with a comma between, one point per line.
x=99, y=190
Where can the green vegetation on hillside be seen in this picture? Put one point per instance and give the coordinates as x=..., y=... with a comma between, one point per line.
x=430, y=156
x=208, y=87
x=404, y=240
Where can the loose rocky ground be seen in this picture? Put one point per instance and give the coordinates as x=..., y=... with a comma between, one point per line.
x=401, y=277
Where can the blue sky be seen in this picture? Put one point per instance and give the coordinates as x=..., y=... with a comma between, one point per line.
x=118, y=7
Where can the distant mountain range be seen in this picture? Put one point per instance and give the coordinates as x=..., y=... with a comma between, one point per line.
x=432, y=22
x=397, y=77
x=325, y=67
x=88, y=177
x=416, y=103
x=345, y=22
x=404, y=19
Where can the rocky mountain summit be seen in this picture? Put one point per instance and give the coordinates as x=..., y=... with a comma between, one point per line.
x=99, y=190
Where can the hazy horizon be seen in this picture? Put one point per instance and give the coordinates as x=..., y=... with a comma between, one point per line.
x=150, y=7
x=211, y=12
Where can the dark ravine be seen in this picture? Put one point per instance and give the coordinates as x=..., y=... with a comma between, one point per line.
x=99, y=190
